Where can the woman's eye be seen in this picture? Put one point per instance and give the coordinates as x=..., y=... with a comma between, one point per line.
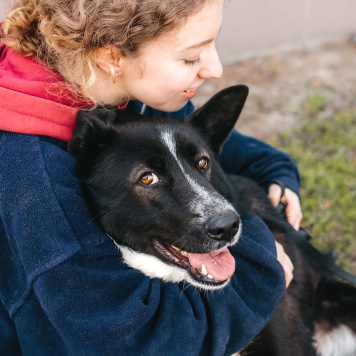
x=149, y=178
x=203, y=163
x=194, y=62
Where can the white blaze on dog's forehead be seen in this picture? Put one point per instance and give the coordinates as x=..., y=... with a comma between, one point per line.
x=205, y=199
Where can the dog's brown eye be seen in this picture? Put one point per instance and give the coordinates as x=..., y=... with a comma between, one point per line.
x=203, y=163
x=149, y=178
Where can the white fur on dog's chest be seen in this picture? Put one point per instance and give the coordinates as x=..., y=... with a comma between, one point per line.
x=340, y=341
x=153, y=267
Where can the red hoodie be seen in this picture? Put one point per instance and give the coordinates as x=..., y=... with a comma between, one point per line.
x=33, y=99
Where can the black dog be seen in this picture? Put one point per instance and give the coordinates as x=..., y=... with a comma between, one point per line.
x=167, y=171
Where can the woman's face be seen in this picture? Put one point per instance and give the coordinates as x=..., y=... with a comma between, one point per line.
x=170, y=69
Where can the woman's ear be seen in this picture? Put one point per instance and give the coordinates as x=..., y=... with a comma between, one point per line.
x=110, y=60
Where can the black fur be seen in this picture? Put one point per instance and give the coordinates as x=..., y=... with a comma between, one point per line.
x=114, y=150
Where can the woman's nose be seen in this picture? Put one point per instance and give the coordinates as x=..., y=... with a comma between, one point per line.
x=212, y=67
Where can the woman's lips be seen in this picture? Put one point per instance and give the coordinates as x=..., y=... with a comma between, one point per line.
x=189, y=93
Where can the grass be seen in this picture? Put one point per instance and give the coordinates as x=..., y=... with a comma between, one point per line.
x=325, y=151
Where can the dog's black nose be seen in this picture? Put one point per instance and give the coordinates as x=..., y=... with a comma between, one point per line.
x=223, y=227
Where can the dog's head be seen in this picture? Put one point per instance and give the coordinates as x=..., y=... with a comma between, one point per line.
x=158, y=191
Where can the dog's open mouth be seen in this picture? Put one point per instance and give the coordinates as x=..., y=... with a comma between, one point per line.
x=213, y=268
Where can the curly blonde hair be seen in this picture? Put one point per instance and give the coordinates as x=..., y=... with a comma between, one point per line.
x=63, y=34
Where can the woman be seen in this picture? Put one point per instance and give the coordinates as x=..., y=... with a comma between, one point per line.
x=64, y=287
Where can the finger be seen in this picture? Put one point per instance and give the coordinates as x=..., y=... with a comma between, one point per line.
x=288, y=269
x=288, y=276
x=274, y=194
x=295, y=220
x=289, y=262
x=293, y=209
x=294, y=216
x=286, y=263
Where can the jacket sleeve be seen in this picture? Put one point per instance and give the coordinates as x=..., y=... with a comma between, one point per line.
x=68, y=291
x=254, y=159
x=112, y=308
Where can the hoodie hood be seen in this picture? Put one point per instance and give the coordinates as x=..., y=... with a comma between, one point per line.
x=34, y=99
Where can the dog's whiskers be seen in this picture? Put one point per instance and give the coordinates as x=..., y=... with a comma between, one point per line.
x=93, y=219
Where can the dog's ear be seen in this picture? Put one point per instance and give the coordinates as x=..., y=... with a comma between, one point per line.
x=217, y=118
x=90, y=136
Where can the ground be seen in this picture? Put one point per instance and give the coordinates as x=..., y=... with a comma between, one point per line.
x=280, y=84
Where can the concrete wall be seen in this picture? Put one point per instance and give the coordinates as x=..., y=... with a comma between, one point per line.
x=4, y=5
x=258, y=27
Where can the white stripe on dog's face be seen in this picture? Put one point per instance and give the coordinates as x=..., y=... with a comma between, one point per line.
x=205, y=202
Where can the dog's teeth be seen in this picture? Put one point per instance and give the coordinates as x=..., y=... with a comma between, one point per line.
x=203, y=270
x=183, y=253
x=210, y=276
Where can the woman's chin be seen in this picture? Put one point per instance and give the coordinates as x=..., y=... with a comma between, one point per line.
x=169, y=106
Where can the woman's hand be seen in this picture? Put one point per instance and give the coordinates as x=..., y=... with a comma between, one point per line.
x=290, y=200
x=286, y=263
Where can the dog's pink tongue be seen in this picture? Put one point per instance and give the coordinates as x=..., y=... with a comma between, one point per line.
x=220, y=264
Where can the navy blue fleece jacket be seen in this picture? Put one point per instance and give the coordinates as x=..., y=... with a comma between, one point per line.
x=64, y=289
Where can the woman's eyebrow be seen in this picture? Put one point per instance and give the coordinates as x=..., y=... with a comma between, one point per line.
x=202, y=43
x=196, y=45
